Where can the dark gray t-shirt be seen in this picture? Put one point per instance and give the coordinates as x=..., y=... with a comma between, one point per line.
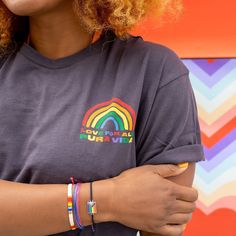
x=112, y=106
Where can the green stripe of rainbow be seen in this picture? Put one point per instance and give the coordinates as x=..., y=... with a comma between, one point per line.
x=123, y=115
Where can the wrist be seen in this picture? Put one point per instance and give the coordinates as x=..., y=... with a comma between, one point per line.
x=103, y=196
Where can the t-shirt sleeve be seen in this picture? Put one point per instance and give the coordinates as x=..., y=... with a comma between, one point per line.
x=172, y=132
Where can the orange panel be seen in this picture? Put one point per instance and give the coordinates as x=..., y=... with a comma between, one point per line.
x=205, y=29
x=219, y=223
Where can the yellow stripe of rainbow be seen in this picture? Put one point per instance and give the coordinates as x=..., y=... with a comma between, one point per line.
x=115, y=110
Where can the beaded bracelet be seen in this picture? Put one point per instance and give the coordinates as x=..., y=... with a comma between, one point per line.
x=73, y=203
x=70, y=207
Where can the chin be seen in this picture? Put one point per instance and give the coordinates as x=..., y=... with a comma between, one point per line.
x=31, y=7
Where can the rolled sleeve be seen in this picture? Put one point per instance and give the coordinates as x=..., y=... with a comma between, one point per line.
x=172, y=133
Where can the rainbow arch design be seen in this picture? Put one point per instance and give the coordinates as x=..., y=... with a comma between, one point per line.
x=122, y=115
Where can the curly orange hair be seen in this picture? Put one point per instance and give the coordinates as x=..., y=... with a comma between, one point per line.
x=117, y=15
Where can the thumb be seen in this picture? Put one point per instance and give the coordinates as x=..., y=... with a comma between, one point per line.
x=169, y=170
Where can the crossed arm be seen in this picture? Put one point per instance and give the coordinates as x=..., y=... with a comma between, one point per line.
x=184, y=179
x=31, y=205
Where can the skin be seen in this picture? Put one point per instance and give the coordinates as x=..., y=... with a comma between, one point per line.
x=41, y=209
x=185, y=179
x=47, y=19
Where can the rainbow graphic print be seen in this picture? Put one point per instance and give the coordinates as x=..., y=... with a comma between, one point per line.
x=112, y=121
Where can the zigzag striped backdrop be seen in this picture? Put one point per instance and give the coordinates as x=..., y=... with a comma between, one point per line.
x=214, y=84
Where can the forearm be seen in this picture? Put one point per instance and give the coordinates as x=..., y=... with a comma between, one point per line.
x=186, y=179
x=41, y=209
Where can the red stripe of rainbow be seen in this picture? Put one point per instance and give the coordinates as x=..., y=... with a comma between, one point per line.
x=123, y=114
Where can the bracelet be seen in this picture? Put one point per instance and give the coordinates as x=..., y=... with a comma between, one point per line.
x=75, y=200
x=92, y=207
x=70, y=207
x=76, y=205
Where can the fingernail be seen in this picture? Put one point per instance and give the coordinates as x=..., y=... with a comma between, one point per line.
x=183, y=165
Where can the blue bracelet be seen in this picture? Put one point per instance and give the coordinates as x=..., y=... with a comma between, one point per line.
x=77, y=219
x=75, y=202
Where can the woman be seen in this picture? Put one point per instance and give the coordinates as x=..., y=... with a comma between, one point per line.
x=105, y=109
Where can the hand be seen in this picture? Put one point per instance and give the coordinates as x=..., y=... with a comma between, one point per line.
x=143, y=199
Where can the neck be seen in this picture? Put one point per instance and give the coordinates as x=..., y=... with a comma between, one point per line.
x=59, y=33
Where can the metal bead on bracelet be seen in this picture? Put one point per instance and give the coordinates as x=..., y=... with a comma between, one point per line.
x=92, y=207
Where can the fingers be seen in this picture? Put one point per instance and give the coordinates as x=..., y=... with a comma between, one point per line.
x=172, y=230
x=168, y=170
x=185, y=193
x=184, y=207
x=179, y=218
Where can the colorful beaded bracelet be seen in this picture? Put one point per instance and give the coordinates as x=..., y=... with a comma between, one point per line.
x=70, y=207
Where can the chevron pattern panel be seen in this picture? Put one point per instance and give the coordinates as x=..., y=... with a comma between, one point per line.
x=214, y=84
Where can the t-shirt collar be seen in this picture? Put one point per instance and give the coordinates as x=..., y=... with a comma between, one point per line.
x=33, y=55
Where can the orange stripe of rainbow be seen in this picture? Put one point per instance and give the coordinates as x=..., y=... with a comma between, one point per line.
x=123, y=114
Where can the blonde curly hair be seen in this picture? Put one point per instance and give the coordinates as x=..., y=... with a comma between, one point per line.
x=118, y=15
